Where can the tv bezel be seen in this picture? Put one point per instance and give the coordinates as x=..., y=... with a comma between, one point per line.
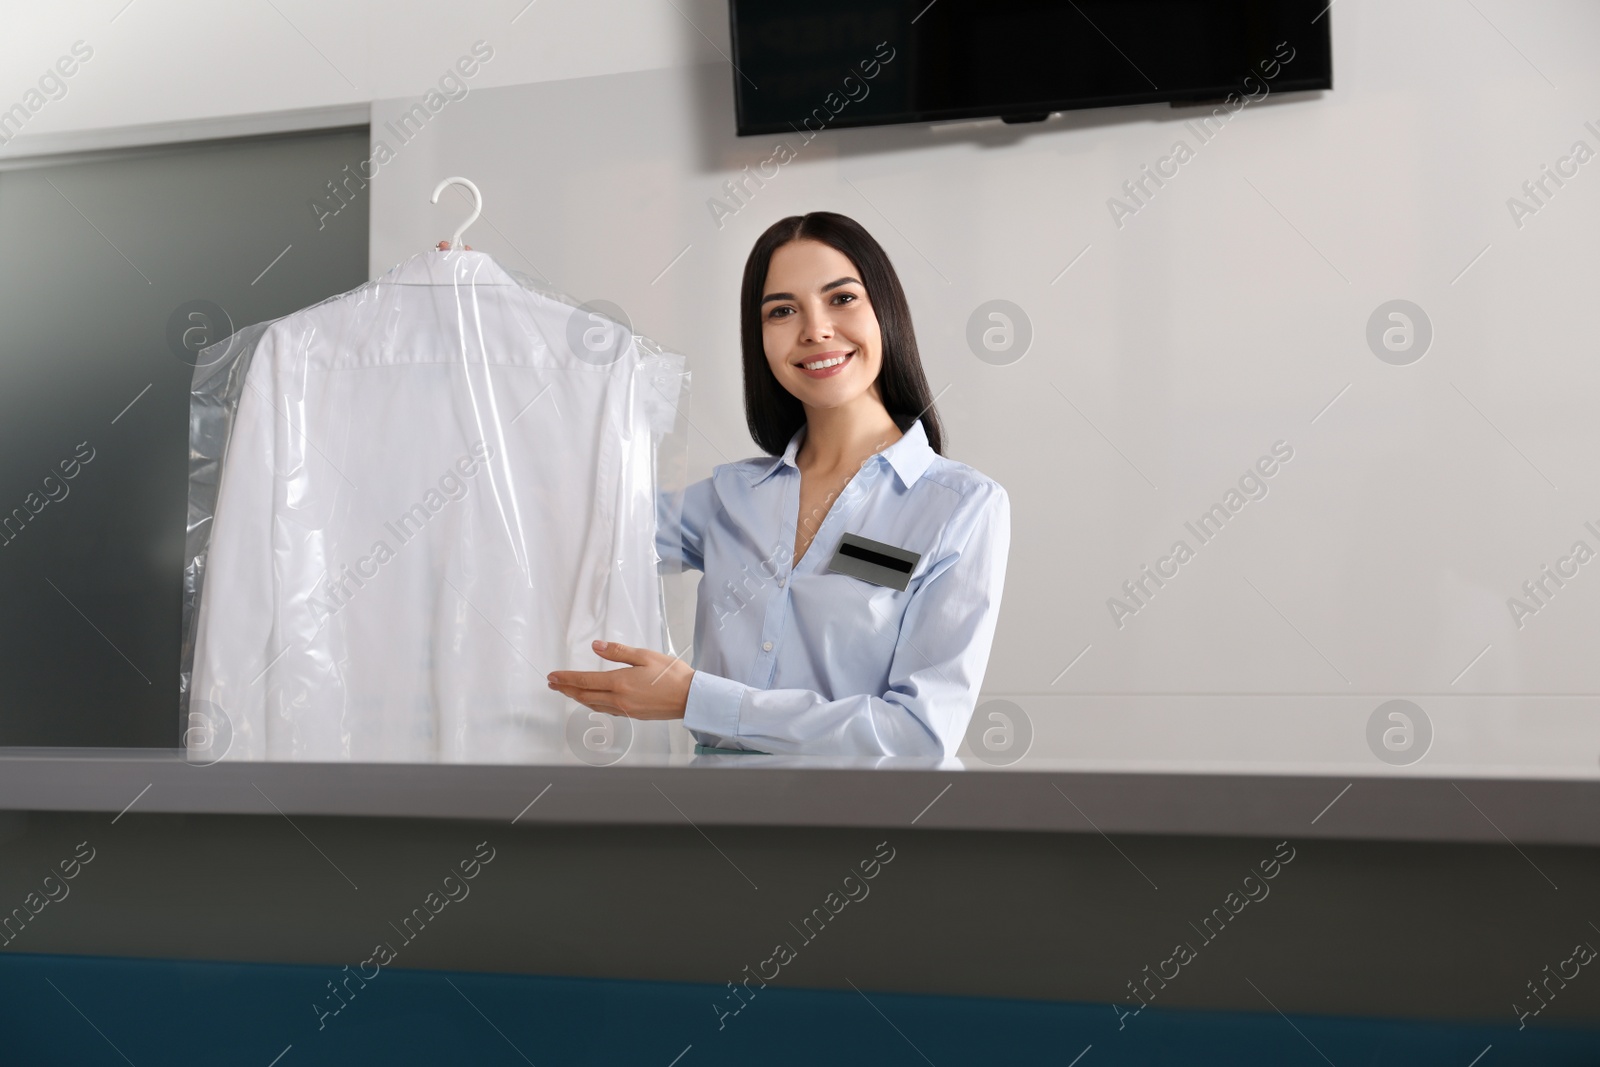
x=1034, y=112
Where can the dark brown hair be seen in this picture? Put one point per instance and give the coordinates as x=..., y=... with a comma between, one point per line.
x=772, y=412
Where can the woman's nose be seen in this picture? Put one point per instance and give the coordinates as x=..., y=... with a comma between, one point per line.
x=818, y=328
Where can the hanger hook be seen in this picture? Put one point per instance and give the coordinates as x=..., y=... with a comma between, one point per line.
x=477, y=207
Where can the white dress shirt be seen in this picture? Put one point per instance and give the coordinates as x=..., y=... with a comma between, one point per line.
x=798, y=660
x=430, y=499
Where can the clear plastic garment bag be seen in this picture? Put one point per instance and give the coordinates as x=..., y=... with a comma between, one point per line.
x=411, y=502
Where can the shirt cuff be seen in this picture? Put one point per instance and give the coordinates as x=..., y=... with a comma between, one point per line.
x=713, y=706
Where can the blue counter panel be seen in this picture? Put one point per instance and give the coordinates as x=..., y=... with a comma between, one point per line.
x=89, y=1011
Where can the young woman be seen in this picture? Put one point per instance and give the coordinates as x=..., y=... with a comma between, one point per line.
x=804, y=642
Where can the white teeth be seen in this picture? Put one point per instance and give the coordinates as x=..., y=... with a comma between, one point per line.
x=823, y=364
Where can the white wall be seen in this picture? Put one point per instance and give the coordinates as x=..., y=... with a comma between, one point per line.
x=159, y=61
x=1218, y=320
x=1223, y=317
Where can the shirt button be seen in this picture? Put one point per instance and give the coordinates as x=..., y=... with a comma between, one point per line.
x=767, y=647
x=781, y=582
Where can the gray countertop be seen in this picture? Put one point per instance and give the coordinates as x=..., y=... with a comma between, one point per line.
x=756, y=790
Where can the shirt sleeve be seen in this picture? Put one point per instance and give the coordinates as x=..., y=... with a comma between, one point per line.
x=238, y=614
x=681, y=518
x=937, y=670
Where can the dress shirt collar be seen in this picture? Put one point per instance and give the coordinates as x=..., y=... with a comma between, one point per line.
x=449, y=268
x=909, y=456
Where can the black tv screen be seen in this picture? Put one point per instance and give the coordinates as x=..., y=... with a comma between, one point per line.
x=812, y=64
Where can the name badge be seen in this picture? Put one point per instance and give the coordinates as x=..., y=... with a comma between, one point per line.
x=873, y=561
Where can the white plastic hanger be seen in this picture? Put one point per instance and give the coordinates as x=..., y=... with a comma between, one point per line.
x=477, y=207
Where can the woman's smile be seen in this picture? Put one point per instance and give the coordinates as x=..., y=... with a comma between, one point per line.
x=826, y=364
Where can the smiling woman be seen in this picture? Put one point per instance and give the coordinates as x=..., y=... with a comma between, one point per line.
x=863, y=567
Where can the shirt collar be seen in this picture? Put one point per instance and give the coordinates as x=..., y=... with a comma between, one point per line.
x=457, y=267
x=910, y=456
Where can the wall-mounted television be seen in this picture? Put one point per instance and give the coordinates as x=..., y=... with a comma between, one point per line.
x=814, y=64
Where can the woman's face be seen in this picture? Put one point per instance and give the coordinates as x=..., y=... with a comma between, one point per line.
x=818, y=327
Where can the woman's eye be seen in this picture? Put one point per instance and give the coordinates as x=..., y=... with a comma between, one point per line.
x=779, y=312
x=846, y=298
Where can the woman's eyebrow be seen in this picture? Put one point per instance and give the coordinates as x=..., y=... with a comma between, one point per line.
x=847, y=280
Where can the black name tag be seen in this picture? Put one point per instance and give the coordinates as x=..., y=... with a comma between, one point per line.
x=873, y=561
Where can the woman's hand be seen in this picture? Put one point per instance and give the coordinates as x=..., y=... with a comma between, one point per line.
x=444, y=246
x=654, y=685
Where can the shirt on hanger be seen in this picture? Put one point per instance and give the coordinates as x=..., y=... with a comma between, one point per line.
x=436, y=490
x=800, y=660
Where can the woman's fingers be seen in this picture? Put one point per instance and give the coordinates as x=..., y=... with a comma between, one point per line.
x=599, y=699
x=600, y=683
x=634, y=657
x=643, y=687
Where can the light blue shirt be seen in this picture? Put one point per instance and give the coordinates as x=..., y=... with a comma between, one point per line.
x=797, y=660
